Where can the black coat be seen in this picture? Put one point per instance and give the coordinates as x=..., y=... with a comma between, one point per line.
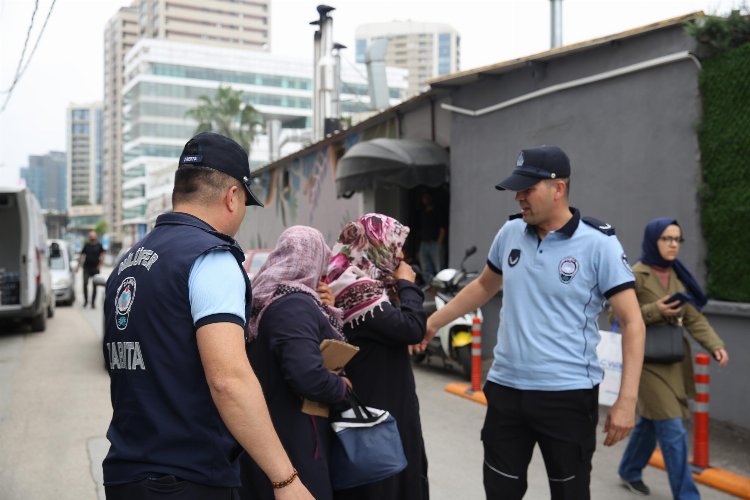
x=286, y=359
x=382, y=377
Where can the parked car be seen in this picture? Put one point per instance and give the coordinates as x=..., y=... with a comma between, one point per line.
x=25, y=282
x=254, y=258
x=62, y=272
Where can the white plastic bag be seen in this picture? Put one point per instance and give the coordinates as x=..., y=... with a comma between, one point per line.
x=609, y=352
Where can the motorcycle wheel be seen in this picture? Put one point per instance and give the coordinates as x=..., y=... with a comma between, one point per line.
x=463, y=356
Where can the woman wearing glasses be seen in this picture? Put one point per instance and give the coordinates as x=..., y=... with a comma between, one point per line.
x=665, y=388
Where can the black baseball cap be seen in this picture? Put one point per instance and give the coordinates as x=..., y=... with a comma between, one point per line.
x=212, y=150
x=535, y=164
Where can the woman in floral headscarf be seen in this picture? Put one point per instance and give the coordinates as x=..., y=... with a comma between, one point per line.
x=287, y=324
x=382, y=314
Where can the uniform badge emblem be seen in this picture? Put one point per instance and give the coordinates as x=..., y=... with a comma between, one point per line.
x=519, y=160
x=514, y=257
x=123, y=302
x=568, y=269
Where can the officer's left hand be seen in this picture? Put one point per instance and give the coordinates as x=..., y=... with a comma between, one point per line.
x=620, y=422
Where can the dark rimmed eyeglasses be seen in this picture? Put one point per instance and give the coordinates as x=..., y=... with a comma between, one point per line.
x=672, y=239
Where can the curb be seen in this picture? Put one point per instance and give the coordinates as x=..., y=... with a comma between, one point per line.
x=722, y=480
x=464, y=390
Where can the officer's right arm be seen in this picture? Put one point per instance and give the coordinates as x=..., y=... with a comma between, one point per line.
x=238, y=396
x=476, y=294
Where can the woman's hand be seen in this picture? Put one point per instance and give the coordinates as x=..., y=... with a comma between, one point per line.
x=326, y=294
x=347, y=382
x=668, y=309
x=721, y=356
x=405, y=272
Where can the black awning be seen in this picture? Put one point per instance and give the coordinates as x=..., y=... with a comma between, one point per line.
x=402, y=162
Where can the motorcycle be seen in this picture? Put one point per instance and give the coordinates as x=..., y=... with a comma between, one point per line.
x=451, y=343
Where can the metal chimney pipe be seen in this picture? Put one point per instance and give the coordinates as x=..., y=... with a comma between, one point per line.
x=317, y=117
x=274, y=139
x=377, y=79
x=555, y=23
x=325, y=67
x=336, y=99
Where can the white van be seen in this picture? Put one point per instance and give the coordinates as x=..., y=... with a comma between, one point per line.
x=25, y=284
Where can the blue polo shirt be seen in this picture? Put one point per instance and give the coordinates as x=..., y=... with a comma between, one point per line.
x=554, y=290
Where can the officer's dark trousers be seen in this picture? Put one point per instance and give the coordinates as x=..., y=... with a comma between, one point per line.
x=160, y=486
x=563, y=423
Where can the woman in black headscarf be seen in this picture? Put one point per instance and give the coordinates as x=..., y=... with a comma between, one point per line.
x=665, y=388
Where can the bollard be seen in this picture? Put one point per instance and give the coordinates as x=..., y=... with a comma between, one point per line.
x=476, y=355
x=700, y=411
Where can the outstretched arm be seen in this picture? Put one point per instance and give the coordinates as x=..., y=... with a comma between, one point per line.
x=474, y=295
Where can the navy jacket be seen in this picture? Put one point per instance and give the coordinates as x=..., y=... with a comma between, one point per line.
x=164, y=419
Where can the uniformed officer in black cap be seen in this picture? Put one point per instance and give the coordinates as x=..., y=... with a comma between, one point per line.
x=184, y=397
x=556, y=268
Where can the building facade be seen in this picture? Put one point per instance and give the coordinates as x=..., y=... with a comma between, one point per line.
x=84, y=154
x=46, y=178
x=159, y=92
x=427, y=50
x=120, y=35
x=241, y=24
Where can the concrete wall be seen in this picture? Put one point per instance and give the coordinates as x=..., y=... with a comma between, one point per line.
x=729, y=402
x=634, y=156
x=303, y=191
x=306, y=193
x=631, y=142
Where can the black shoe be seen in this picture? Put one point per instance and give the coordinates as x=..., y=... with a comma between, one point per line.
x=638, y=487
x=85, y=303
x=93, y=306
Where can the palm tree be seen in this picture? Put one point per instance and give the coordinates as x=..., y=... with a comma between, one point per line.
x=227, y=115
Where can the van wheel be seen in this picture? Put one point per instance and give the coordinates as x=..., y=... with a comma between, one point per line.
x=39, y=322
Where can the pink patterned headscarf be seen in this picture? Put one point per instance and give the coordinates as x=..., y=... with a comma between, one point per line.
x=295, y=265
x=360, y=273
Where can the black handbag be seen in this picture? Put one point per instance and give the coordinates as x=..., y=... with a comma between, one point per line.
x=664, y=344
x=366, y=447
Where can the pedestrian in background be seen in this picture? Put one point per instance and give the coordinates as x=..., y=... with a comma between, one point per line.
x=556, y=269
x=287, y=325
x=666, y=387
x=185, y=400
x=383, y=315
x=433, y=230
x=90, y=261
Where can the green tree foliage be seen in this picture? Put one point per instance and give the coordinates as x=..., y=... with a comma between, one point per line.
x=724, y=138
x=716, y=34
x=227, y=115
x=101, y=227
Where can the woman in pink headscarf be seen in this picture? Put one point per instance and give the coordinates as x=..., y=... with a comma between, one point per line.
x=382, y=314
x=287, y=324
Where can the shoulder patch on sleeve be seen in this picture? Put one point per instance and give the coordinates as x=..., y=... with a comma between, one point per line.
x=516, y=216
x=602, y=226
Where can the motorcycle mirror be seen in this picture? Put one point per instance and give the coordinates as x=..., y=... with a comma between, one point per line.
x=471, y=251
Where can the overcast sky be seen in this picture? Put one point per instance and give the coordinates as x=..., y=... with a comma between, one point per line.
x=67, y=66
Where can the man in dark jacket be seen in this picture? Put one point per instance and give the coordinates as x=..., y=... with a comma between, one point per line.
x=184, y=397
x=91, y=258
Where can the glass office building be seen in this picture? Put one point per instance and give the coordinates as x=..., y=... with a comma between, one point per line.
x=165, y=79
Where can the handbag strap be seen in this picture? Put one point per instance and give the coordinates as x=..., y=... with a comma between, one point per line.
x=362, y=414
